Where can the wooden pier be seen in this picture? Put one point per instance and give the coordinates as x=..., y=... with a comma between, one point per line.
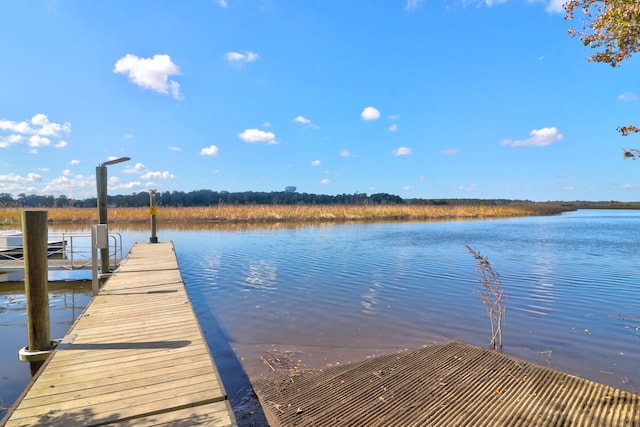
x=136, y=356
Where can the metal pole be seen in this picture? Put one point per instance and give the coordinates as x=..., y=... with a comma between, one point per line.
x=101, y=182
x=153, y=210
x=34, y=242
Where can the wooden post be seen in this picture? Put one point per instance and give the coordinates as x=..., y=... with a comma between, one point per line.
x=101, y=184
x=153, y=210
x=34, y=242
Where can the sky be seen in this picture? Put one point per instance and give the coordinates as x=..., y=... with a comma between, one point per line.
x=417, y=98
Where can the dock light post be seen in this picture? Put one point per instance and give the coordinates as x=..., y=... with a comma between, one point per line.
x=153, y=210
x=101, y=183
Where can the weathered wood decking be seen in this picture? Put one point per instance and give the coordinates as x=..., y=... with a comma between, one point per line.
x=136, y=356
x=455, y=384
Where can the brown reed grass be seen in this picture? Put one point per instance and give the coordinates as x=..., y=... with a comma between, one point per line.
x=286, y=213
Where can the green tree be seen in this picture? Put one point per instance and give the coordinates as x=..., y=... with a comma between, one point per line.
x=613, y=28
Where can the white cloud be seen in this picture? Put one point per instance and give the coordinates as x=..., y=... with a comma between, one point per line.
x=466, y=188
x=66, y=172
x=345, y=153
x=628, y=96
x=39, y=141
x=539, y=138
x=412, y=4
x=138, y=168
x=402, y=151
x=211, y=150
x=160, y=175
x=239, y=59
x=6, y=141
x=75, y=162
x=302, y=120
x=174, y=148
x=257, y=135
x=325, y=181
x=150, y=73
x=40, y=129
x=406, y=188
x=450, y=151
x=315, y=163
x=555, y=6
x=31, y=177
x=370, y=113
x=222, y=3
x=393, y=127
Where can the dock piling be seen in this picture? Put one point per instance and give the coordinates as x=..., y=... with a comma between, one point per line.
x=34, y=232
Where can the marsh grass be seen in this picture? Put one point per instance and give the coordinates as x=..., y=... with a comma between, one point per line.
x=492, y=295
x=285, y=213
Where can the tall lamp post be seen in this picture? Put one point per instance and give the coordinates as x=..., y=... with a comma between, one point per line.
x=101, y=183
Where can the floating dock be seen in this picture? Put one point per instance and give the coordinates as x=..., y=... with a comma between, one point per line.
x=136, y=356
x=453, y=384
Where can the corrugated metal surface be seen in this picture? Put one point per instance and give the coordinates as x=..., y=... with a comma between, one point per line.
x=453, y=384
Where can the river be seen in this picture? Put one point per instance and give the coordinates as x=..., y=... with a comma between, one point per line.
x=318, y=295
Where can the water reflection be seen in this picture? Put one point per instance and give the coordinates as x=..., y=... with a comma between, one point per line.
x=66, y=302
x=334, y=293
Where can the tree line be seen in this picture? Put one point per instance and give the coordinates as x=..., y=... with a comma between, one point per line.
x=202, y=198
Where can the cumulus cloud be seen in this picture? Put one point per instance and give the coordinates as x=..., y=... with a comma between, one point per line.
x=393, y=127
x=370, y=113
x=325, y=181
x=211, y=150
x=450, y=151
x=239, y=59
x=302, y=120
x=315, y=163
x=38, y=132
x=39, y=141
x=157, y=175
x=6, y=141
x=628, y=96
x=539, y=138
x=174, y=148
x=75, y=162
x=138, y=168
x=150, y=73
x=402, y=151
x=257, y=135
x=305, y=122
x=345, y=153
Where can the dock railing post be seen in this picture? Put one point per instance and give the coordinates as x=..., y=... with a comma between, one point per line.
x=34, y=235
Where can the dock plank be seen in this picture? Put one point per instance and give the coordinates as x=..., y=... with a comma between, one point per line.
x=136, y=356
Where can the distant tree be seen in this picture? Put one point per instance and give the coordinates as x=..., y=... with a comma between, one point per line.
x=613, y=26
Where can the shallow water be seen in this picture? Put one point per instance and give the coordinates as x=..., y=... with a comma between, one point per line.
x=319, y=295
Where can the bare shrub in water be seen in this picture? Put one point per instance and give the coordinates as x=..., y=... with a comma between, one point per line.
x=492, y=295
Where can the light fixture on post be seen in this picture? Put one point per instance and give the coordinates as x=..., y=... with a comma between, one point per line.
x=101, y=183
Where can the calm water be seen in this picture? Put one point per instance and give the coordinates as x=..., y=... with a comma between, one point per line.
x=322, y=295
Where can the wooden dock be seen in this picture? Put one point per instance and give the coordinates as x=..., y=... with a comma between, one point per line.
x=136, y=356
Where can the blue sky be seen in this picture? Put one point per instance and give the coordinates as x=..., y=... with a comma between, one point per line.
x=419, y=98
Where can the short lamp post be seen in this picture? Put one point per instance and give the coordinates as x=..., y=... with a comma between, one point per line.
x=101, y=183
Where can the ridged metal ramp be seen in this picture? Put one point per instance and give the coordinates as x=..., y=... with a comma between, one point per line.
x=453, y=384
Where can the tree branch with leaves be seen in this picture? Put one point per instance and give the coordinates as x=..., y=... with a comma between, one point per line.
x=613, y=27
